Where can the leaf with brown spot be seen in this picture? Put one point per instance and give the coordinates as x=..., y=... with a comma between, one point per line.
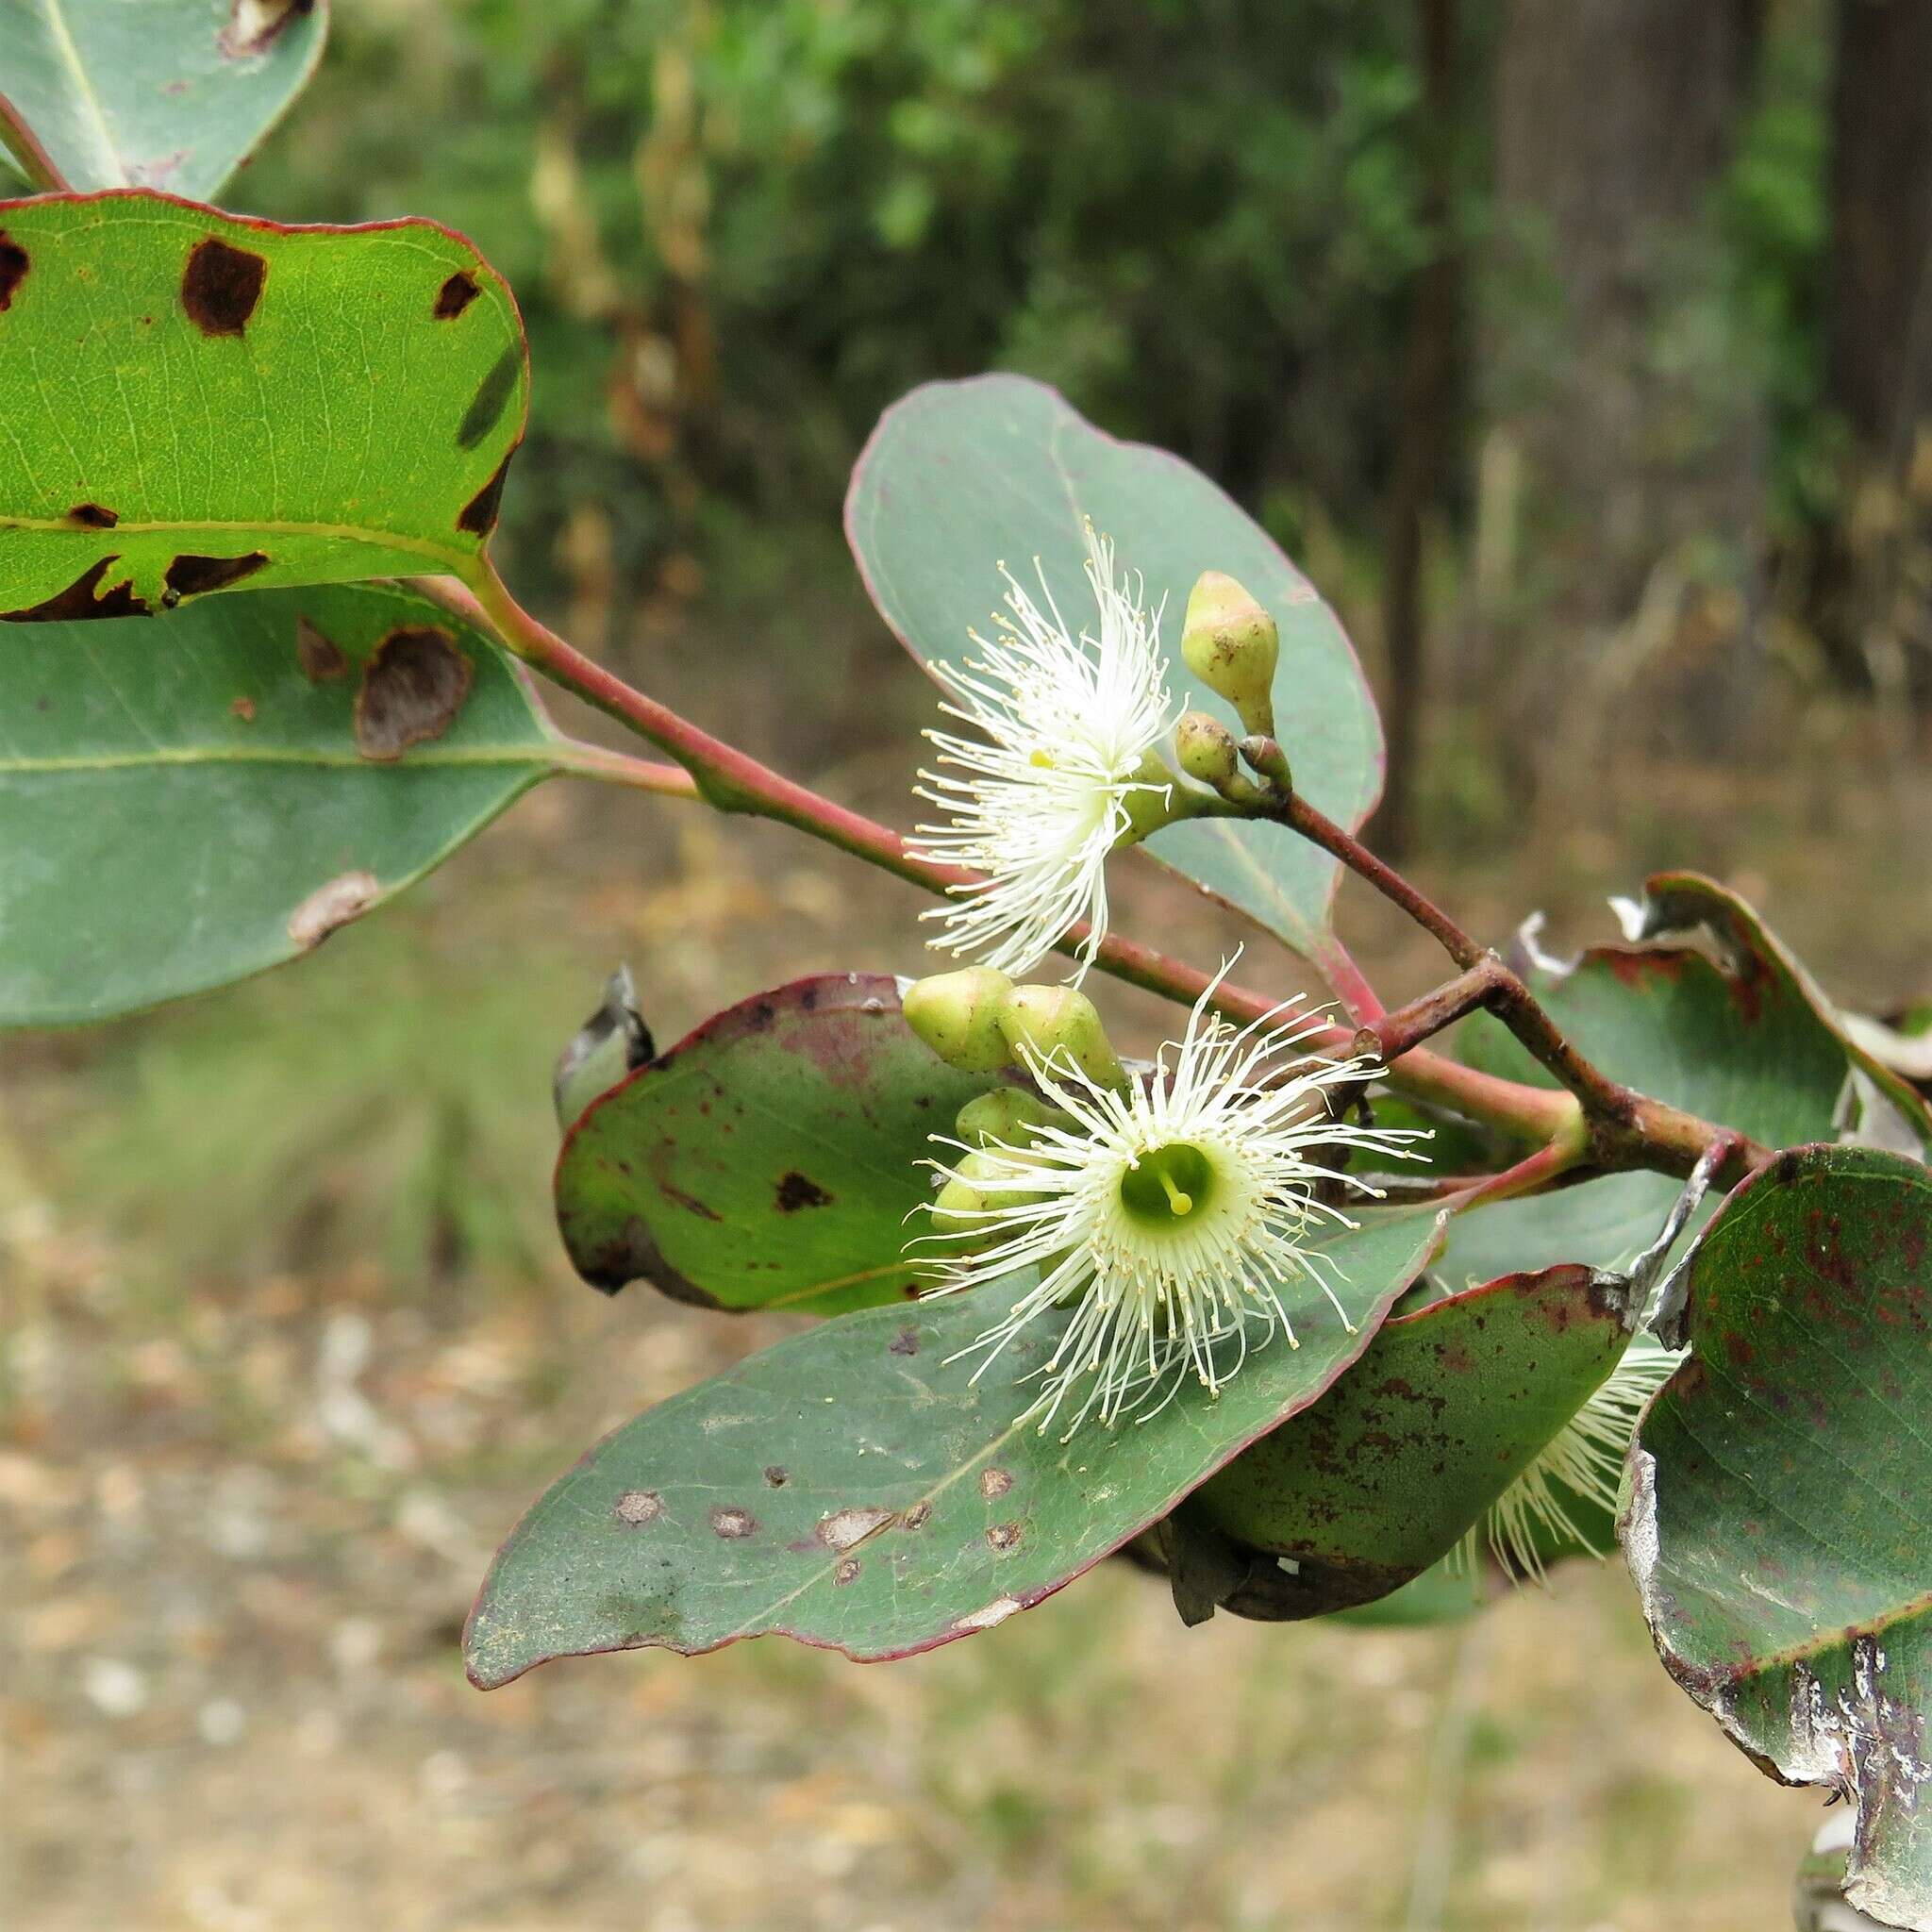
x=1778, y=1523
x=325, y=431
x=820, y=1077
x=165, y=93
x=195, y=799
x=872, y=1440
x=1446, y=1408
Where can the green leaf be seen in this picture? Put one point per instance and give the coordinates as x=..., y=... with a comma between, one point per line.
x=155, y=93
x=1387, y=1473
x=1604, y=1223
x=853, y=1488
x=195, y=402
x=186, y=802
x=1778, y=1523
x=771, y=1160
x=961, y=476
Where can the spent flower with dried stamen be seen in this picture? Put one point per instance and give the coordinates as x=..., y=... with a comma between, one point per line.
x=1169, y=1213
x=1065, y=769
x=1583, y=1461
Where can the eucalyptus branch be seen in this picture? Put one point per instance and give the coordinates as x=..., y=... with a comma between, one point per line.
x=1595, y=1123
x=1623, y=1128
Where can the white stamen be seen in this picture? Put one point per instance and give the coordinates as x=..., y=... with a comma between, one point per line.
x=1188, y=1278
x=1039, y=803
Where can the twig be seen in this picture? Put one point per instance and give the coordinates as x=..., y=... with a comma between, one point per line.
x=1596, y=1121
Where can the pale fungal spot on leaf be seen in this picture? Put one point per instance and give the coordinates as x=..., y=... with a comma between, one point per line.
x=844, y=1527
x=331, y=907
x=1002, y=1536
x=254, y=25
x=640, y=1506
x=733, y=1524
x=846, y=1572
x=994, y=1483
x=995, y=1612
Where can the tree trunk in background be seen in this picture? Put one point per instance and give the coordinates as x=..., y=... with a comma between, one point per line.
x=1422, y=432
x=1874, y=590
x=1618, y=489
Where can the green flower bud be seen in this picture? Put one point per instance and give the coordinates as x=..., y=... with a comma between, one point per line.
x=1008, y=1115
x=958, y=1015
x=1147, y=808
x=1061, y=1020
x=959, y=1208
x=1231, y=644
x=957, y=1211
x=1207, y=749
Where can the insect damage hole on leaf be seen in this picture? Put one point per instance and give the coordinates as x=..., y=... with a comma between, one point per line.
x=84, y=598
x=190, y=575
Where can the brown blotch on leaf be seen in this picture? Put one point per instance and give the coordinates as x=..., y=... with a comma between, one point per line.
x=1004, y=1537
x=905, y=1343
x=775, y=1478
x=413, y=688
x=244, y=708
x=221, y=286
x=917, y=1517
x=733, y=1524
x=191, y=577
x=491, y=398
x=847, y=1571
x=319, y=654
x=92, y=516
x=332, y=906
x=798, y=1191
x=638, y=1506
x=254, y=25
x=80, y=600
x=479, y=513
x=994, y=1482
x=456, y=296
x=14, y=263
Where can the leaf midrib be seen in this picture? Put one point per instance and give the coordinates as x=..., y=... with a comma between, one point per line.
x=349, y=533
x=279, y=755
x=69, y=54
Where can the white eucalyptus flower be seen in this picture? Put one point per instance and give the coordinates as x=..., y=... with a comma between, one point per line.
x=1068, y=723
x=1586, y=1458
x=1171, y=1215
